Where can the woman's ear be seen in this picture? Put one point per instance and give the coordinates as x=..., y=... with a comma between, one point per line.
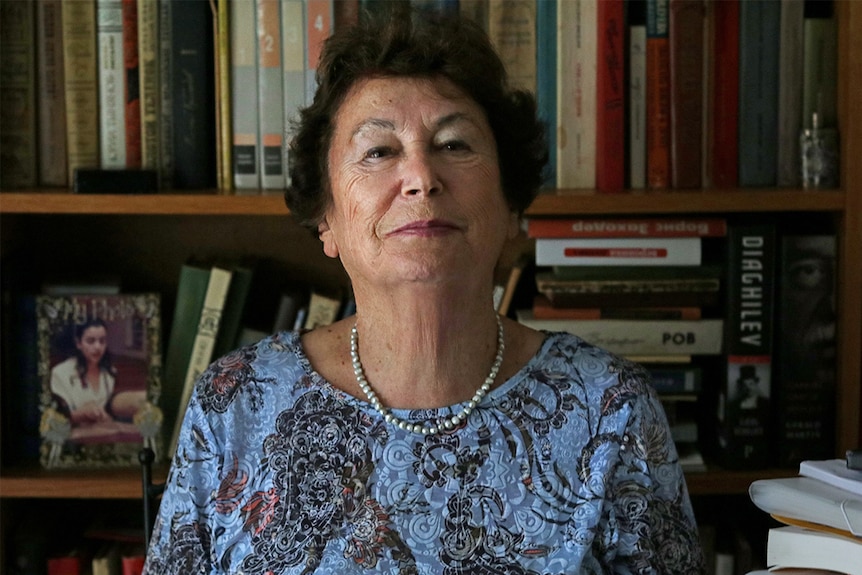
x=324, y=232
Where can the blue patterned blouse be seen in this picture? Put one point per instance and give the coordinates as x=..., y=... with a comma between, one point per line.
x=567, y=467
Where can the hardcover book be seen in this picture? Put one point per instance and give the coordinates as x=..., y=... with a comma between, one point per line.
x=193, y=85
x=658, y=94
x=80, y=69
x=744, y=400
x=50, y=87
x=512, y=29
x=798, y=547
x=686, y=37
x=270, y=94
x=625, y=227
x=806, y=349
x=293, y=62
x=759, y=24
x=546, y=81
x=618, y=251
x=131, y=84
x=637, y=82
x=148, y=77
x=723, y=140
x=244, y=87
x=100, y=365
x=639, y=337
x=577, y=40
x=610, y=97
x=17, y=95
x=112, y=82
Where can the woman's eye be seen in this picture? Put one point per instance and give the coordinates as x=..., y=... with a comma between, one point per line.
x=455, y=146
x=377, y=153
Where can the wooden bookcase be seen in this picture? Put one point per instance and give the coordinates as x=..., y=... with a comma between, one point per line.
x=144, y=239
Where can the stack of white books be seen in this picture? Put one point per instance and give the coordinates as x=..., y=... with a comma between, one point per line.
x=821, y=510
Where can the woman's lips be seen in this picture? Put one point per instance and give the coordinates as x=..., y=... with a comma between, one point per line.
x=425, y=228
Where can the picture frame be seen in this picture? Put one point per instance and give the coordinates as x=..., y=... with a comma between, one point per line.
x=99, y=362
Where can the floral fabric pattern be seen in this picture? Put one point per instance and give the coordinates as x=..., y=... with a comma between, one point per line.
x=568, y=467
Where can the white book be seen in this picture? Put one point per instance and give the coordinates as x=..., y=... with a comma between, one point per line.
x=112, y=70
x=244, y=88
x=797, y=547
x=322, y=310
x=637, y=106
x=205, y=338
x=834, y=472
x=270, y=98
x=808, y=500
x=577, y=58
x=293, y=62
x=618, y=251
x=639, y=337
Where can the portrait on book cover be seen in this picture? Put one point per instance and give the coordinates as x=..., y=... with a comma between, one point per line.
x=100, y=366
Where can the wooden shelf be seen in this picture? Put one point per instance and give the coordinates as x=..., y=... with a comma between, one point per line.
x=22, y=482
x=584, y=202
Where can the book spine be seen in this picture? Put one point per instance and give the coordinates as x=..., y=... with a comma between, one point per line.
x=806, y=349
x=724, y=139
x=618, y=251
x=744, y=407
x=658, y=94
x=18, y=95
x=820, y=65
x=50, y=86
x=686, y=38
x=270, y=97
x=166, y=93
x=790, y=53
x=633, y=286
x=224, y=108
x=676, y=380
x=758, y=93
x=80, y=68
x=204, y=342
x=293, y=62
x=640, y=337
x=322, y=310
x=244, y=87
x=637, y=86
x=191, y=289
x=546, y=82
x=627, y=227
x=610, y=97
x=318, y=27
x=112, y=107
x=132, y=84
x=234, y=307
x=577, y=37
x=148, y=54
x=192, y=65
x=512, y=29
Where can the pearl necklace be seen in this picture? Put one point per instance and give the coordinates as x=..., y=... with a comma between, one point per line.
x=441, y=424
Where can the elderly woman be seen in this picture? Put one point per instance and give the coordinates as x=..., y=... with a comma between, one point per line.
x=426, y=434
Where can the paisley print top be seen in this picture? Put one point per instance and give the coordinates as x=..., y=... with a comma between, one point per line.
x=568, y=467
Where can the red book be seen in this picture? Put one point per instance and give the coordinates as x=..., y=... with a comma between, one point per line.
x=686, y=92
x=132, y=90
x=70, y=565
x=626, y=227
x=544, y=309
x=610, y=98
x=618, y=251
x=658, y=95
x=724, y=139
x=133, y=564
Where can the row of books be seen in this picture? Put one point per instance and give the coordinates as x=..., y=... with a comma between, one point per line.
x=819, y=512
x=752, y=302
x=671, y=93
x=108, y=559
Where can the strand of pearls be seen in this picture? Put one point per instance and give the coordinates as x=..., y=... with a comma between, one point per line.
x=426, y=428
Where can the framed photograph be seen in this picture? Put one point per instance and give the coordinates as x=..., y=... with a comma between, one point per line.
x=99, y=361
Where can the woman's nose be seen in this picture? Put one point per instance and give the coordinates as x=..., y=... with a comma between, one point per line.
x=420, y=175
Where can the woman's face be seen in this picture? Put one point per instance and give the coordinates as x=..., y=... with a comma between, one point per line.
x=416, y=192
x=93, y=343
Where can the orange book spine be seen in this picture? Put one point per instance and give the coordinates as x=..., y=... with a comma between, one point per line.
x=658, y=95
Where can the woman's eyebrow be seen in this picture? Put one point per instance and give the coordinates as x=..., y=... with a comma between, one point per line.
x=370, y=123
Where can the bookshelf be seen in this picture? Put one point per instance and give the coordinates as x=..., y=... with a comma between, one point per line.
x=145, y=238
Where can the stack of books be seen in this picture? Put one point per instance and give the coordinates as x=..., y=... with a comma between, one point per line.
x=821, y=515
x=636, y=287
